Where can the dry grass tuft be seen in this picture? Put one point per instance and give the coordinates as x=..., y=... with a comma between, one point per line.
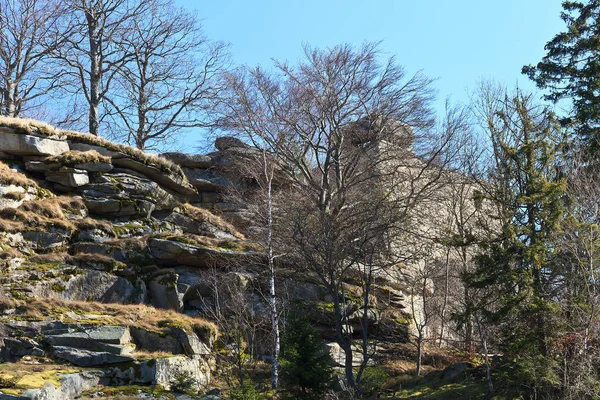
x=49, y=258
x=53, y=209
x=203, y=215
x=47, y=208
x=9, y=176
x=137, y=154
x=17, y=196
x=88, y=224
x=29, y=126
x=138, y=315
x=233, y=245
x=16, y=220
x=74, y=157
x=79, y=260
x=84, y=259
x=9, y=253
x=70, y=204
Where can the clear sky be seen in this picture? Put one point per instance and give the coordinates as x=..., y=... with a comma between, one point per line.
x=458, y=42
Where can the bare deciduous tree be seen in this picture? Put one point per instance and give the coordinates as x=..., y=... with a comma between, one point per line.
x=171, y=76
x=338, y=124
x=91, y=57
x=27, y=36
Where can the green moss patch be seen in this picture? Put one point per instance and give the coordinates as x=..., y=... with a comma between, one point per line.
x=20, y=376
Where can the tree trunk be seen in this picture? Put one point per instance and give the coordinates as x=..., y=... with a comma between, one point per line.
x=469, y=323
x=419, y=352
x=272, y=297
x=488, y=372
x=364, y=325
x=95, y=72
x=445, y=304
x=9, y=99
x=342, y=341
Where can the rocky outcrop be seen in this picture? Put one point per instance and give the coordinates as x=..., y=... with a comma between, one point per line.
x=116, y=343
x=111, y=257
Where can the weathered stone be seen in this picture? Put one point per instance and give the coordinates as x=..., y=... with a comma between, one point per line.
x=136, y=187
x=95, y=166
x=190, y=225
x=40, y=166
x=211, y=197
x=190, y=342
x=170, y=180
x=86, y=358
x=226, y=142
x=118, y=207
x=91, y=286
x=69, y=177
x=87, y=338
x=208, y=179
x=18, y=144
x=171, y=252
x=152, y=341
x=6, y=156
x=71, y=387
x=94, y=235
x=189, y=160
x=372, y=316
x=168, y=369
x=112, y=250
x=15, y=348
x=164, y=293
x=134, y=373
x=211, y=397
x=46, y=240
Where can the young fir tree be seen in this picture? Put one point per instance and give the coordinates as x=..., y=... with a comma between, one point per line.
x=526, y=188
x=306, y=364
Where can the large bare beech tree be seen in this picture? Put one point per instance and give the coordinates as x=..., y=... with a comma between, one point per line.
x=27, y=36
x=92, y=55
x=338, y=123
x=170, y=77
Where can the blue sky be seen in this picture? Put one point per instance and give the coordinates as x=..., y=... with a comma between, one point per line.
x=458, y=42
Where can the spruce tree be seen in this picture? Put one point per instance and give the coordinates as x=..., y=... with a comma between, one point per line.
x=571, y=70
x=306, y=364
x=526, y=189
